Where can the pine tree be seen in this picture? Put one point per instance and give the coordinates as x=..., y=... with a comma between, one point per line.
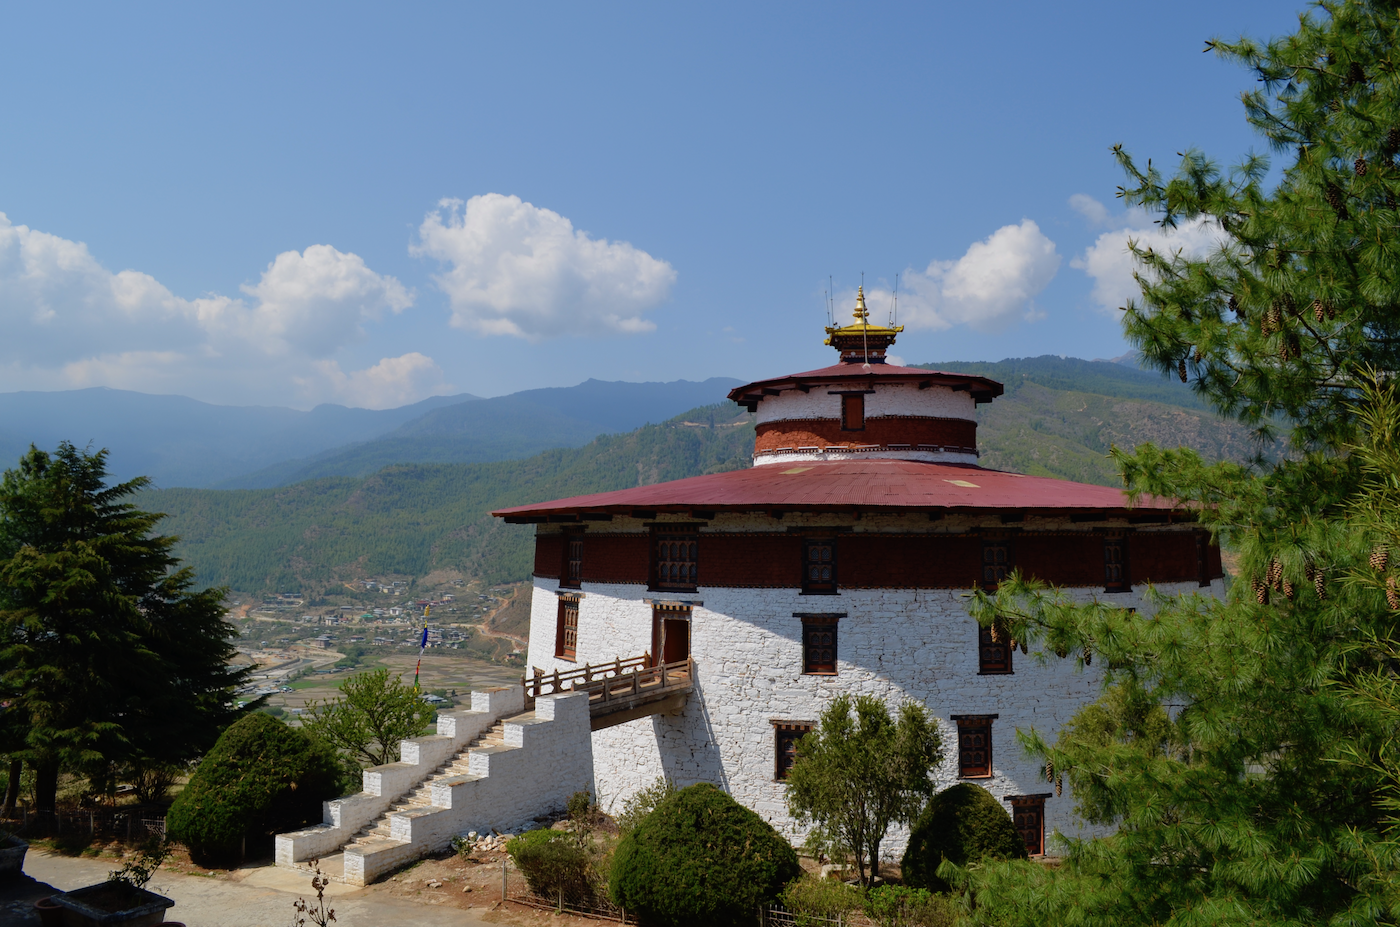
x=1267, y=791
x=107, y=653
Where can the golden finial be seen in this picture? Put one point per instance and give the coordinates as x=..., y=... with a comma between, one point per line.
x=861, y=341
x=861, y=313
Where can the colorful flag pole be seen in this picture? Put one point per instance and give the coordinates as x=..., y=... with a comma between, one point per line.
x=422, y=645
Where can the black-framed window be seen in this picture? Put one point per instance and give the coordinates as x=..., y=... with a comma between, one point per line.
x=994, y=650
x=974, y=745
x=1028, y=815
x=819, y=566
x=571, y=574
x=566, y=629
x=786, y=734
x=1115, y=562
x=852, y=411
x=675, y=559
x=996, y=560
x=819, y=644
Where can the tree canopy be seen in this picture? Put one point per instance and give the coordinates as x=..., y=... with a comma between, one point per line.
x=1245, y=752
x=372, y=715
x=107, y=655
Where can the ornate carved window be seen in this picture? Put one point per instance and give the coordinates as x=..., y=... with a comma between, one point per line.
x=974, y=746
x=1028, y=814
x=996, y=560
x=566, y=630
x=1115, y=562
x=819, y=566
x=675, y=558
x=819, y=644
x=994, y=649
x=852, y=412
x=571, y=575
x=786, y=734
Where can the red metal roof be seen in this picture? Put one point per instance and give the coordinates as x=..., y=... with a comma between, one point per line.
x=845, y=485
x=982, y=388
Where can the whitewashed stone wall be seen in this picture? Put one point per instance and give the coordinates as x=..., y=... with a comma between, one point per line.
x=893, y=644
x=888, y=399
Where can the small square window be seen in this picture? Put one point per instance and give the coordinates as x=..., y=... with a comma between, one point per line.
x=819, y=566
x=819, y=645
x=1115, y=563
x=786, y=734
x=1028, y=815
x=996, y=561
x=853, y=412
x=566, y=630
x=677, y=559
x=993, y=651
x=974, y=746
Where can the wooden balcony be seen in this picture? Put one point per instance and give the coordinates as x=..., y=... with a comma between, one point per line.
x=620, y=691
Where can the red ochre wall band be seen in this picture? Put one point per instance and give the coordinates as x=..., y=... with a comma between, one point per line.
x=883, y=430
x=890, y=561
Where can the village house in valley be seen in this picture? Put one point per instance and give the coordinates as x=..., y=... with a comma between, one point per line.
x=838, y=563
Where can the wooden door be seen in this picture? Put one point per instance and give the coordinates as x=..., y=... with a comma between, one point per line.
x=670, y=635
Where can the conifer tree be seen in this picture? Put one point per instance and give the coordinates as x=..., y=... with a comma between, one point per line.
x=1266, y=790
x=107, y=653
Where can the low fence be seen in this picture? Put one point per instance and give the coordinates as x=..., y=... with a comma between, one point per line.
x=601, y=909
x=131, y=824
x=778, y=916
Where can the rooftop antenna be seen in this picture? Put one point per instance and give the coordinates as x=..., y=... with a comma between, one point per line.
x=894, y=303
x=830, y=320
x=865, y=323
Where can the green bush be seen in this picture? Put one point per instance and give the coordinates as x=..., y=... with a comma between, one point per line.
x=554, y=865
x=261, y=778
x=900, y=906
x=963, y=824
x=815, y=901
x=700, y=858
x=643, y=803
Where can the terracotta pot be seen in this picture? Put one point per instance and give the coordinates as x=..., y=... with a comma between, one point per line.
x=50, y=912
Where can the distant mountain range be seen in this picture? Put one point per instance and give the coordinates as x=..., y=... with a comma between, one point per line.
x=1059, y=417
x=183, y=442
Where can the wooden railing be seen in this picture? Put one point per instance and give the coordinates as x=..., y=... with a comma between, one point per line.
x=612, y=684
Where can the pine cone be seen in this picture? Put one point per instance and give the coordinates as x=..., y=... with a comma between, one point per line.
x=1392, y=139
x=1181, y=369
x=1389, y=201
x=1059, y=786
x=1288, y=590
x=1355, y=75
x=1320, y=585
x=1318, y=310
x=1049, y=771
x=1275, y=573
x=1273, y=320
x=1331, y=312
x=1197, y=357
x=1088, y=656
x=1261, y=591
x=1023, y=646
x=1380, y=556
x=1335, y=199
x=1392, y=593
x=1360, y=167
x=1234, y=305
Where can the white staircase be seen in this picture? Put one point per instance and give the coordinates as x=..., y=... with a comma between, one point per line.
x=490, y=767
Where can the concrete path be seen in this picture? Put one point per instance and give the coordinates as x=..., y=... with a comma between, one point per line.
x=263, y=898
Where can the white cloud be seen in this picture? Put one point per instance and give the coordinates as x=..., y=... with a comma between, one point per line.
x=69, y=322
x=1090, y=208
x=516, y=269
x=989, y=288
x=1111, y=264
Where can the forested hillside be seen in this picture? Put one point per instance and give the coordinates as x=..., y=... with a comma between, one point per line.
x=410, y=519
x=1059, y=417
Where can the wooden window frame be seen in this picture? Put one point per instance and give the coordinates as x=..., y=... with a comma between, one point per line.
x=787, y=732
x=562, y=650
x=994, y=658
x=674, y=534
x=968, y=727
x=992, y=573
x=1117, y=575
x=1028, y=817
x=853, y=411
x=571, y=567
x=817, y=623
x=818, y=587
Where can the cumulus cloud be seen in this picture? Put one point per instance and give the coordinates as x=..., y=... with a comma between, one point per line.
x=516, y=269
x=70, y=322
x=1110, y=263
x=991, y=287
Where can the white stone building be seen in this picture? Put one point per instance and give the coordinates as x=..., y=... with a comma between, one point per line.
x=839, y=563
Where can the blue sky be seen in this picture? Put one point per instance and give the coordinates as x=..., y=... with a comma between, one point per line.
x=299, y=203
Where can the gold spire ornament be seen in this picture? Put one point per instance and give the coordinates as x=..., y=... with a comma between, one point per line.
x=861, y=342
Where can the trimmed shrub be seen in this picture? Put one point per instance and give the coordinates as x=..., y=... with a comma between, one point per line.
x=963, y=824
x=815, y=901
x=553, y=863
x=700, y=858
x=261, y=778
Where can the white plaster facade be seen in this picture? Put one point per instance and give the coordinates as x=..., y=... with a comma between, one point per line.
x=902, y=399
x=894, y=644
x=808, y=454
